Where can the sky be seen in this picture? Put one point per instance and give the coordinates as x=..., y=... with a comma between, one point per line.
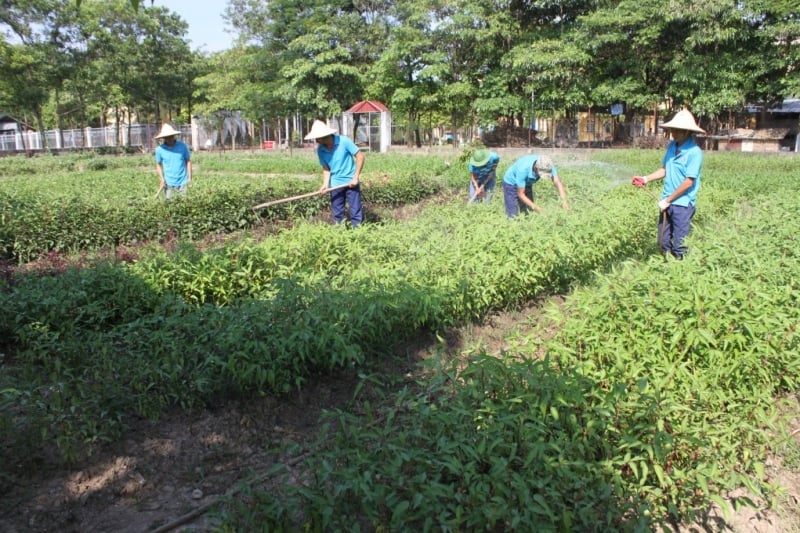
x=206, y=27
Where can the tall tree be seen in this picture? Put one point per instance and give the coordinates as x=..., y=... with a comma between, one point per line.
x=471, y=37
x=711, y=56
x=399, y=77
x=140, y=58
x=24, y=83
x=38, y=64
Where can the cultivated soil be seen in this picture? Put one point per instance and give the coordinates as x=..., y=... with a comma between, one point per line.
x=168, y=475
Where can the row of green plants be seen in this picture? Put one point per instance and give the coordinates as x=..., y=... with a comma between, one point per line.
x=84, y=350
x=86, y=206
x=660, y=393
x=264, y=316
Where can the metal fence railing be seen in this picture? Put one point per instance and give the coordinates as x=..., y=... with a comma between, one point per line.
x=135, y=136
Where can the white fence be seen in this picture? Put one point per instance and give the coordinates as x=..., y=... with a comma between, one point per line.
x=136, y=135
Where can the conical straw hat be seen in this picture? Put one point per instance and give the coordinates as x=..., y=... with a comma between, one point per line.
x=167, y=131
x=683, y=120
x=318, y=130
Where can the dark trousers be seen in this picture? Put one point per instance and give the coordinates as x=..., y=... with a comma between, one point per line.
x=351, y=196
x=512, y=204
x=674, y=228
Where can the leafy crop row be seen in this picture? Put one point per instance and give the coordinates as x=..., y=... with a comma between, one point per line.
x=263, y=316
x=631, y=417
x=656, y=396
x=89, y=208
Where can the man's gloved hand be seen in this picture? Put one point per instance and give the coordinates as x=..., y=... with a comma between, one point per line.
x=663, y=205
x=639, y=181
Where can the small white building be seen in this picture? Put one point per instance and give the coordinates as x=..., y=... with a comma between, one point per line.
x=369, y=123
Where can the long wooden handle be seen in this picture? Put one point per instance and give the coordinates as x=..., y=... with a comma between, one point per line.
x=298, y=197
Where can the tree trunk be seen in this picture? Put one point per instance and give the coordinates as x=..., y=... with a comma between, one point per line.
x=130, y=124
x=40, y=124
x=59, y=125
x=82, y=119
x=655, y=120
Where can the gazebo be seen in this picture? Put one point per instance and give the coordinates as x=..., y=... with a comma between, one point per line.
x=369, y=124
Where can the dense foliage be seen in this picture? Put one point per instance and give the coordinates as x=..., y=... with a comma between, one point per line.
x=85, y=202
x=650, y=392
x=456, y=64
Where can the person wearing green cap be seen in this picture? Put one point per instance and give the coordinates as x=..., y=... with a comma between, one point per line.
x=482, y=169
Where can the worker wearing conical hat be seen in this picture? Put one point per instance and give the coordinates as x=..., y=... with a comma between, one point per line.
x=681, y=169
x=341, y=162
x=173, y=162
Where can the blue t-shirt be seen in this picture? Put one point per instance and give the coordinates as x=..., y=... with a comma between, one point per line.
x=341, y=160
x=482, y=173
x=521, y=173
x=173, y=162
x=681, y=162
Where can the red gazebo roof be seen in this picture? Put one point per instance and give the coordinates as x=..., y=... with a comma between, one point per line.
x=368, y=106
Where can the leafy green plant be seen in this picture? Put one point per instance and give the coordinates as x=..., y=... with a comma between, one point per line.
x=651, y=401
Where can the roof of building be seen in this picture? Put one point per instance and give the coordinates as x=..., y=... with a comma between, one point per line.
x=790, y=105
x=368, y=106
x=761, y=134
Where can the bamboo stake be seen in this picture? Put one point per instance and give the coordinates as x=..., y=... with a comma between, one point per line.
x=298, y=197
x=158, y=192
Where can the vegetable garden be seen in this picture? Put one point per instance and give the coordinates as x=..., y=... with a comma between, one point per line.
x=650, y=393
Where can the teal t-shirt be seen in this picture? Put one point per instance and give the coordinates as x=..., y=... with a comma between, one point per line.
x=482, y=173
x=173, y=161
x=521, y=173
x=681, y=162
x=341, y=160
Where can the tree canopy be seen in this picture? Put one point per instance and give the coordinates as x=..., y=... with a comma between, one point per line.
x=457, y=63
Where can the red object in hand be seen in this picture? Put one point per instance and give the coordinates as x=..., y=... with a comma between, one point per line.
x=638, y=181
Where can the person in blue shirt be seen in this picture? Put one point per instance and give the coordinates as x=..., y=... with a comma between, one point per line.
x=482, y=174
x=519, y=179
x=173, y=163
x=341, y=162
x=681, y=169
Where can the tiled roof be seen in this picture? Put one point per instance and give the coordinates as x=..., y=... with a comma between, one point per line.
x=368, y=106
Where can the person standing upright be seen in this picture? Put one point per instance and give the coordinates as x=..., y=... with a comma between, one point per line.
x=341, y=162
x=681, y=169
x=173, y=163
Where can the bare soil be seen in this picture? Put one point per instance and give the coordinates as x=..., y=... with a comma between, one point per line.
x=167, y=475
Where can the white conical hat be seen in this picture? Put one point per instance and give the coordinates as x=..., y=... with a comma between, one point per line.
x=167, y=131
x=683, y=120
x=319, y=129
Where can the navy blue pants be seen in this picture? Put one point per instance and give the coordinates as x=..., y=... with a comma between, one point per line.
x=512, y=203
x=674, y=229
x=352, y=196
